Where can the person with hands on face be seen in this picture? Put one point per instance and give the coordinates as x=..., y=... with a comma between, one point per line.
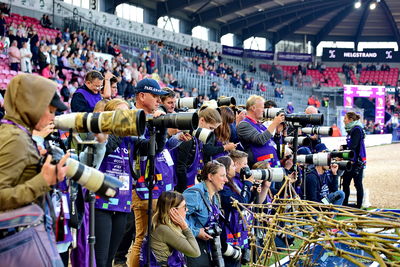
x=255, y=138
x=204, y=209
x=171, y=236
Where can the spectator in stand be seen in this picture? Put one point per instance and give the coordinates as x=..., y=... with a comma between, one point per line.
x=148, y=63
x=272, y=80
x=86, y=97
x=26, y=56
x=336, y=131
x=2, y=25
x=46, y=72
x=262, y=87
x=14, y=56
x=289, y=108
x=317, y=103
x=359, y=67
x=155, y=75
x=214, y=91
x=45, y=21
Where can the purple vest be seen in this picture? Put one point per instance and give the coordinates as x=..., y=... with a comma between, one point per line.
x=236, y=233
x=263, y=152
x=164, y=173
x=117, y=165
x=225, y=153
x=362, y=155
x=197, y=165
x=91, y=98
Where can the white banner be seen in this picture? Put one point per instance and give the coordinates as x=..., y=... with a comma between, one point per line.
x=370, y=140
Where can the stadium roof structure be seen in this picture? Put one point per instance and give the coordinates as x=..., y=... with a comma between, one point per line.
x=320, y=20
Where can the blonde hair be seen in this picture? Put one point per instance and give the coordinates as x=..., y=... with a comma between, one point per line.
x=167, y=201
x=237, y=154
x=114, y=103
x=261, y=165
x=210, y=115
x=100, y=105
x=251, y=101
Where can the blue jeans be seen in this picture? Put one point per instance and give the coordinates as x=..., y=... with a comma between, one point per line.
x=336, y=198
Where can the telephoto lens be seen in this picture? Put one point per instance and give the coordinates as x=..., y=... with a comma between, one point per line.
x=118, y=122
x=270, y=175
x=203, y=134
x=318, y=159
x=305, y=119
x=301, y=140
x=270, y=113
x=215, y=231
x=323, y=130
x=345, y=154
x=181, y=121
x=187, y=102
x=226, y=101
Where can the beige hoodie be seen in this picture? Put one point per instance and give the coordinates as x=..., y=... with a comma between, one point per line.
x=25, y=102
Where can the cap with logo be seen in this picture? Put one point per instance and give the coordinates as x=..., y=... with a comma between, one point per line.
x=149, y=86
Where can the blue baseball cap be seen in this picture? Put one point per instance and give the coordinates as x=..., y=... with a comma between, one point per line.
x=304, y=151
x=321, y=147
x=150, y=86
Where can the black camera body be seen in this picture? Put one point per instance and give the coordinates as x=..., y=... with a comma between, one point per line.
x=215, y=231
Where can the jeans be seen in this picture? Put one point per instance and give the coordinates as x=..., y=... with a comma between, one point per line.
x=357, y=174
x=109, y=230
x=140, y=208
x=336, y=198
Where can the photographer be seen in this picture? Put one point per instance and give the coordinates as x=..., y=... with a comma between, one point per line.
x=222, y=144
x=30, y=103
x=204, y=210
x=238, y=188
x=355, y=141
x=315, y=138
x=191, y=153
x=148, y=93
x=85, y=98
x=254, y=136
x=321, y=185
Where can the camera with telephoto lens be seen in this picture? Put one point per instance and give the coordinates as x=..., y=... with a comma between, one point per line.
x=295, y=118
x=318, y=159
x=344, y=154
x=322, y=130
x=215, y=231
x=118, y=122
x=101, y=184
x=301, y=140
x=204, y=135
x=270, y=175
x=226, y=101
x=187, y=103
x=181, y=121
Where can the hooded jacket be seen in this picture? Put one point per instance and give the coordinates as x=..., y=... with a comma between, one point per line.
x=26, y=100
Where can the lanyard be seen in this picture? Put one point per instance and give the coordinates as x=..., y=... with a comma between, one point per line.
x=16, y=124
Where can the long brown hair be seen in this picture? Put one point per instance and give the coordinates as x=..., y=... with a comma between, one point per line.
x=210, y=115
x=167, y=201
x=210, y=167
x=353, y=116
x=227, y=161
x=223, y=132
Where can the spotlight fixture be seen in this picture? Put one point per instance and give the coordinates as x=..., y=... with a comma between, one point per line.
x=372, y=6
x=357, y=4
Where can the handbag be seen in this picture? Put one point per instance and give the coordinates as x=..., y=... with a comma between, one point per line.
x=26, y=239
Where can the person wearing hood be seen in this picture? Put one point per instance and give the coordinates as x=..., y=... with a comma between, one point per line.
x=355, y=141
x=30, y=104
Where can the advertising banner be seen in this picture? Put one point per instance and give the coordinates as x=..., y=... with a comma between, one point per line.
x=367, y=55
x=286, y=56
x=377, y=92
x=232, y=51
x=267, y=55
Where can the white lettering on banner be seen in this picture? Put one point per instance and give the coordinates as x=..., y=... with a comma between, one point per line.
x=370, y=140
x=364, y=93
x=360, y=54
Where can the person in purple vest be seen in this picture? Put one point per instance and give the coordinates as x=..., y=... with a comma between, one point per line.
x=85, y=98
x=111, y=215
x=191, y=153
x=355, y=141
x=148, y=98
x=255, y=138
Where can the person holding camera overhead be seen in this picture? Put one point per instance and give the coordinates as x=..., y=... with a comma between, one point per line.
x=191, y=153
x=171, y=236
x=255, y=138
x=203, y=213
x=148, y=98
x=30, y=103
x=355, y=141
